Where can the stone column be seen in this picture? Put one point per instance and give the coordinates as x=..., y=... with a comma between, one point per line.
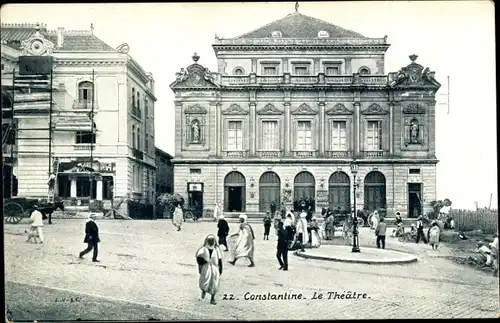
x=219, y=131
x=254, y=65
x=322, y=128
x=391, y=128
x=73, y=187
x=99, y=190
x=287, y=128
x=357, y=128
x=253, y=127
x=348, y=69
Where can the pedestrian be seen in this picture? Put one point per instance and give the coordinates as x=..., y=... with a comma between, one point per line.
x=330, y=225
x=380, y=231
x=302, y=235
x=434, y=235
x=282, y=247
x=420, y=230
x=272, y=208
x=267, y=225
x=217, y=211
x=375, y=218
x=178, y=217
x=209, y=259
x=277, y=219
x=36, y=227
x=223, y=231
x=245, y=244
x=495, y=254
x=315, y=237
x=91, y=238
x=283, y=211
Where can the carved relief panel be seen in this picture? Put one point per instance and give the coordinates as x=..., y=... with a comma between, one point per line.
x=195, y=126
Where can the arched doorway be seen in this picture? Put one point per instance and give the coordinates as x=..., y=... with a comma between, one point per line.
x=339, y=191
x=269, y=191
x=304, y=187
x=375, y=191
x=234, y=192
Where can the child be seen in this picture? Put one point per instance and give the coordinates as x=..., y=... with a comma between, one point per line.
x=267, y=225
x=32, y=233
x=434, y=235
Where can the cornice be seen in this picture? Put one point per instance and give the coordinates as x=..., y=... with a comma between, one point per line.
x=80, y=62
x=325, y=161
x=382, y=48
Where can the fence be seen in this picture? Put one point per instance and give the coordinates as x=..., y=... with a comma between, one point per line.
x=484, y=220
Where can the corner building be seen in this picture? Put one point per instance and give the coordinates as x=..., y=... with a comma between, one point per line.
x=292, y=106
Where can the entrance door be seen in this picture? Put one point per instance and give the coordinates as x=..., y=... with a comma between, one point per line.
x=234, y=192
x=269, y=191
x=375, y=192
x=304, y=187
x=414, y=200
x=339, y=189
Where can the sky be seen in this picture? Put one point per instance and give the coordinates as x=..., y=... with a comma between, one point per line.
x=452, y=38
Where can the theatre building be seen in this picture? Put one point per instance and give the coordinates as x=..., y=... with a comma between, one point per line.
x=292, y=108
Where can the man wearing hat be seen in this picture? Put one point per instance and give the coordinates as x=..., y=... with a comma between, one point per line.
x=420, y=230
x=91, y=238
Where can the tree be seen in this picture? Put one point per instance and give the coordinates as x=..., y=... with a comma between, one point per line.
x=169, y=201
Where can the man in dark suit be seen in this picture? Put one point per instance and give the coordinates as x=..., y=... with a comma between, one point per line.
x=91, y=238
x=282, y=247
x=272, y=208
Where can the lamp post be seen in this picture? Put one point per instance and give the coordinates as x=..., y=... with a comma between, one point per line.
x=355, y=232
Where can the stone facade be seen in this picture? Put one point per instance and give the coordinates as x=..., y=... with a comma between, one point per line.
x=95, y=77
x=286, y=119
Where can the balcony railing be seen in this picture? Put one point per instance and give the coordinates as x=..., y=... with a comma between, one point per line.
x=379, y=80
x=137, y=153
x=338, y=154
x=304, y=154
x=375, y=154
x=82, y=105
x=236, y=154
x=81, y=147
x=269, y=154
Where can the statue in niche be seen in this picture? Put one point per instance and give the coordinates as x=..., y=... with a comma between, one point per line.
x=414, y=132
x=195, y=127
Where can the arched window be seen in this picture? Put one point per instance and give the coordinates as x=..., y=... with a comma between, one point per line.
x=269, y=191
x=138, y=138
x=133, y=137
x=364, y=70
x=304, y=190
x=85, y=92
x=234, y=192
x=375, y=192
x=339, y=187
x=238, y=71
x=138, y=104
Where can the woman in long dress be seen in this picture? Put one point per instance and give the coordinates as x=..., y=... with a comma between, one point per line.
x=434, y=235
x=209, y=259
x=245, y=243
x=315, y=238
x=375, y=219
x=302, y=230
x=178, y=217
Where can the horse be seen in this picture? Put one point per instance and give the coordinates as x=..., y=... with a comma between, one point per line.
x=49, y=208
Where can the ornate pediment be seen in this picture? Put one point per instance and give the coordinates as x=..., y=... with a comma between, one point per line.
x=338, y=109
x=305, y=110
x=37, y=45
x=235, y=109
x=413, y=75
x=195, y=109
x=414, y=108
x=195, y=76
x=374, y=109
x=270, y=109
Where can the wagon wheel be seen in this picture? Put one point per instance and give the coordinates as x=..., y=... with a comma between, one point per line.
x=13, y=213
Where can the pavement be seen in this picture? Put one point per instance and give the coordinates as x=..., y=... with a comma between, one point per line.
x=366, y=256
x=148, y=271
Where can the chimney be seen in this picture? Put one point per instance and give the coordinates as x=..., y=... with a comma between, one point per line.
x=60, y=37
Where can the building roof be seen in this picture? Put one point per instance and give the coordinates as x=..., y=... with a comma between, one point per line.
x=297, y=25
x=81, y=40
x=162, y=153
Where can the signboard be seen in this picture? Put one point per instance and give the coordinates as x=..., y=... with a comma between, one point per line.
x=322, y=197
x=35, y=65
x=195, y=187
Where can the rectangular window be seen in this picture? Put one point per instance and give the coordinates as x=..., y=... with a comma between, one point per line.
x=107, y=187
x=339, y=136
x=374, y=136
x=195, y=171
x=414, y=171
x=85, y=137
x=146, y=109
x=332, y=70
x=235, y=136
x=270, y=135
x=63, y=186
x=300, y=70
x=138, y=179
x=304, y=136
x=83, y=187
x=269, y=70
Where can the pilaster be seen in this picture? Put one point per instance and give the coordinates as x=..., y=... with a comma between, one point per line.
x=348, y=69
x=219, y=134
x=391, y=128
x=254, y=65
x=98, y=188
x=322, y=128
x=253, y=127
x=357, y=128
x=287, y=128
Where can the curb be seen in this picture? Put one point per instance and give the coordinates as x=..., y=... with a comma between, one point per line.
x=371, y=262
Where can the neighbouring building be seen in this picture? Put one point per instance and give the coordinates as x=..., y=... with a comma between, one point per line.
x=164, y=172
x=108, y=157
x=293, y=106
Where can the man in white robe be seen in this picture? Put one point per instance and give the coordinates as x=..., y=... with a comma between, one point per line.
x=303, y=236
x=178, y=217
x=209, y=259
x=245, y=244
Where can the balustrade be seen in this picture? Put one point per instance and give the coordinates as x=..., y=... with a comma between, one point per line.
x=269, y=154
x=374, y=154
x=305, y=79
x=236, y=154
x=338, y=154
x=304, y=154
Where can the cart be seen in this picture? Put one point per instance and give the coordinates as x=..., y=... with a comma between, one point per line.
x=15, y=209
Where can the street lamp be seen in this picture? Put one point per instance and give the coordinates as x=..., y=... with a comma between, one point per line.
x=355, y=232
